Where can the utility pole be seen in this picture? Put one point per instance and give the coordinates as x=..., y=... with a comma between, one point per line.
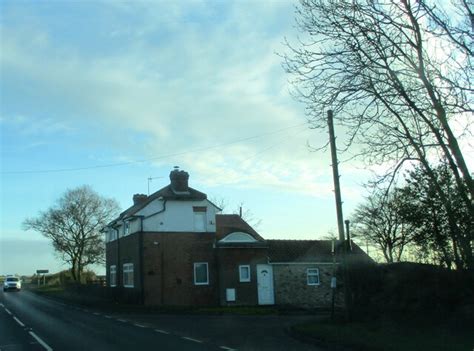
x=340, y=220
x=349, y=239
x=335, y=175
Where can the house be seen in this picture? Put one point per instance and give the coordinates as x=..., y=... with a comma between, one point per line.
x=174, y=247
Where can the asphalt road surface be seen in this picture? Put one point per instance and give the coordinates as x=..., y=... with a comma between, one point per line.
x=32, y=322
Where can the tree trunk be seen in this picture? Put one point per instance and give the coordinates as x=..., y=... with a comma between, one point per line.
x=73, y=271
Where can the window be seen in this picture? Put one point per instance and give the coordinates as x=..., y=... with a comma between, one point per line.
x=199, y=221
x=113, y=276
x=312, y=276
x=244, y=273
x=128, y=275
x=201, y=274
x=200, y=218
x=111, y=234
x=127, y=228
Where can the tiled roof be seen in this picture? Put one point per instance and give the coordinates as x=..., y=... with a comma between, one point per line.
x=309, y=251
x=229, y=223
x=299, y=250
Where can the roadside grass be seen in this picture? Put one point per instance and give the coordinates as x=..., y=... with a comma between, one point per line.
x=50, y=289
x=389, y=335
x=238, y=310
x=75, y=297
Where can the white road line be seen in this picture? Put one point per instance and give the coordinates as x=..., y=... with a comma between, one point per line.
x=18, y=321
x=1, y=304
x=45, y=345
x=139, y=325
x=97, y=314
x=8, y=311
x=191, y=339
x=106, y=316
x=227, y=348
x=122, y=320
x=161, y=331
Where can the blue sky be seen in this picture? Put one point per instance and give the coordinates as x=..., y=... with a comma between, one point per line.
x=198, y=84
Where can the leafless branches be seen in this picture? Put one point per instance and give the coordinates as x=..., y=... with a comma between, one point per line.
x=74, y=225
x=396, y=73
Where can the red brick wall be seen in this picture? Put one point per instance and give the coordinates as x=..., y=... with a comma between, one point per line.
x=118, y=252
x=169, y=268
x=229, y=260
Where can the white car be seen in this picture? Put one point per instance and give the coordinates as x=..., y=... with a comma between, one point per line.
x=12, y=283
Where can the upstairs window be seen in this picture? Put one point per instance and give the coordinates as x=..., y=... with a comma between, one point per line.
x=201, y=273
x=126, y=228
x=200, y=218
x=113, y=276
x=312, y=276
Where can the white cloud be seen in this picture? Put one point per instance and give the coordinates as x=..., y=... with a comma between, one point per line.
x=185, y=83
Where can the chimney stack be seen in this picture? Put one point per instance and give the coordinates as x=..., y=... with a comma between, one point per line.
x=139, y=198
x=179, y=180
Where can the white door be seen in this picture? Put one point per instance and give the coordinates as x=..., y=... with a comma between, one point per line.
x=265, y=284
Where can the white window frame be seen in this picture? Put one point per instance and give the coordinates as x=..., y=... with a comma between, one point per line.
x=127, y=269
x=242, y=279
x=126, y=228
x=113, y=273
x=207, y=273
x=312, y=272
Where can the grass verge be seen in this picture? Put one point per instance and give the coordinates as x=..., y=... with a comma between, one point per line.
x=76, y=297
x=389, y=335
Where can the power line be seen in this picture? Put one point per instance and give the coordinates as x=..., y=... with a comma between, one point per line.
x=118, y=164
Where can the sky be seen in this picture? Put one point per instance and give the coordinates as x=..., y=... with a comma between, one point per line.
x=111, y=93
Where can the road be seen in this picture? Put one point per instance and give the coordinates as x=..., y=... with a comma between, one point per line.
x=32, y=322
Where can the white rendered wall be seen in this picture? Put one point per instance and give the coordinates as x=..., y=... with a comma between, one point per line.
x=179, y=217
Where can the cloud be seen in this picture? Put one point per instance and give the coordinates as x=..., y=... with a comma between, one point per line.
x=29, y=126
x=181, y=78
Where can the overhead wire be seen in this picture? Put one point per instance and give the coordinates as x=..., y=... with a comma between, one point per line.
x=117, y=164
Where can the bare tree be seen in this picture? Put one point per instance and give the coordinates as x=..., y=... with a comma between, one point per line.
x=244, y=212
x=379, y=222
x=396, y=72
x=73, y=225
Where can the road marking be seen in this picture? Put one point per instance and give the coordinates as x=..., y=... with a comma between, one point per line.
x=139, y=325
x=97, y=313
x=8, y=311
x=191, y=339
x=18, y=321
x=161, y=331
x=122, y=320
x=227, y=348
x=45, y=345
x=106, y=316
x=1, y=304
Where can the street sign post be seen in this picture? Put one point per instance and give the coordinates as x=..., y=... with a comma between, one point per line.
x=43, y=272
